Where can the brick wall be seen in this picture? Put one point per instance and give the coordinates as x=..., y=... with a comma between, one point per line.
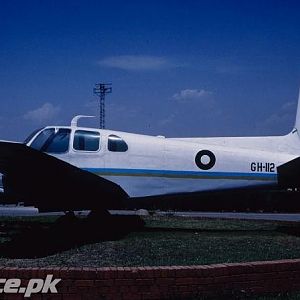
x=164, y=282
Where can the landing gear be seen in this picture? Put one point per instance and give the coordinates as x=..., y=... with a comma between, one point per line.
x=100, y=222
x=98, y=225
x=68, y=219
x=112, y=227
x=99, y=215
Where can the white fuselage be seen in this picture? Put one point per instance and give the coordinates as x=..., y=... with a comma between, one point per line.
x=159, y=166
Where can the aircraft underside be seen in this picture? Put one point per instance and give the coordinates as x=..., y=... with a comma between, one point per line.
x=140, y=186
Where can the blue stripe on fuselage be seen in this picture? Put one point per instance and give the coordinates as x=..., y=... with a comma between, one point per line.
x=182, y=174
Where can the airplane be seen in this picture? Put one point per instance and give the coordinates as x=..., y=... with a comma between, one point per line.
x=70, y=168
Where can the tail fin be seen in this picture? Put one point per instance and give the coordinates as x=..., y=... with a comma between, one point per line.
x=297, y=122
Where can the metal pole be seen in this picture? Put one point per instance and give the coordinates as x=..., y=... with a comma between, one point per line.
x=100, y=90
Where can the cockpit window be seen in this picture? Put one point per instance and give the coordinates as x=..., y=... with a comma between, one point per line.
x=59, y=142
x=41, y=139
x=29, y=138
x=86, y=140
x=116, y=144
x=52, y=141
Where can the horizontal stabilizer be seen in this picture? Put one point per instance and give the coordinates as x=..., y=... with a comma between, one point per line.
x=289, y=174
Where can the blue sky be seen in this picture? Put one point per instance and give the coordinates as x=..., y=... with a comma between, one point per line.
x=178, y=68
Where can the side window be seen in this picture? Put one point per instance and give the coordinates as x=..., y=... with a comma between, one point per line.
x=116, y=144
x=86, y=140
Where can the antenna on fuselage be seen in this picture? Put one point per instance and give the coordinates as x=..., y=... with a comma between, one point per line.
x=77, y=118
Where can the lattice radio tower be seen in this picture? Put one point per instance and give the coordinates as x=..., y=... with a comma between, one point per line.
x=100, y=90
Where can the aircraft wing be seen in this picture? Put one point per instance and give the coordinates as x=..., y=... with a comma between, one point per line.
x=38, y=179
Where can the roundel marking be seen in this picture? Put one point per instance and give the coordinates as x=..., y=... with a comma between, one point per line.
x=205, y=159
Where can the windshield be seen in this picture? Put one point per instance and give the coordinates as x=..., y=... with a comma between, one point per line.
x=29, y=138
x=51, y=140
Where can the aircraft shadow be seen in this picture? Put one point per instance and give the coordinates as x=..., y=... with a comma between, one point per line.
x=33, y=239
x=40, y=239
x=292, y=229
x=195, y=230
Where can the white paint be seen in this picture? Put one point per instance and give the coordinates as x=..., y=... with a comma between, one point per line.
x=160, y=158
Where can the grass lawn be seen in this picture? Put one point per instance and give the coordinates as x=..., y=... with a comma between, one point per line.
x=163, y=241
